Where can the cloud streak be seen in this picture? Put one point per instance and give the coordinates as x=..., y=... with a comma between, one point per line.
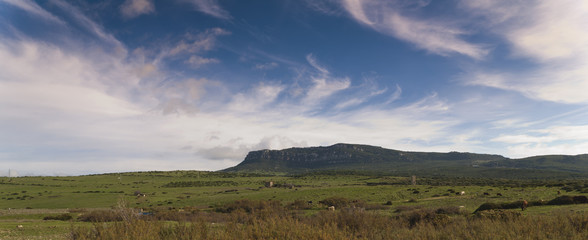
x=210, y=7
x=33, y=8
x=432, y=35
x=91, y=26
x=135, y=8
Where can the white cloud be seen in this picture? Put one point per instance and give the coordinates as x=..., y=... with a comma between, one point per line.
x=210, y=7
x=434, y=35
x=357, y=11
x=255, y=100
x=197, y=61
x=396, y=95
x=540, y=30
x=33, y=8
x=323, y=84
x=236, y=151
x=201, y=42
x=182, y=96
x=314, y=63
x=526, y=150
x=349, y=103
x=134, y=8
x=522, y=139
x=550, y=34
x=266, y=66
x=571, y=139
x=323, y=88
x=191, y=46
x=324, y=7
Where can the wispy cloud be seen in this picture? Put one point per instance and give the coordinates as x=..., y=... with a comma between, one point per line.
x=33, y=8
x=191, y=47
x=266, y=66
x=197, y=61
x=314, y=63
x=91, y=26
x=257, y=98
x=210, y=7
x=571, y=139
x=328, y=7
x=135, y=8
x=552, y=36
x=323, y=84
x=434, y=35
x=201, y=42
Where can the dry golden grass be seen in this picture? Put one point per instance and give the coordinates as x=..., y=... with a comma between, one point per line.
x=268, y=220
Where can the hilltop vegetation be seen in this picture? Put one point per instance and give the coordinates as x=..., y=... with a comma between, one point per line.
x=377, y=160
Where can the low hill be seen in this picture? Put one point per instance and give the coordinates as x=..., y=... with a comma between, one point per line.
x=354, y=157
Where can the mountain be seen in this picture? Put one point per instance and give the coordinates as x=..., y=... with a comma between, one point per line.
x=365, y=158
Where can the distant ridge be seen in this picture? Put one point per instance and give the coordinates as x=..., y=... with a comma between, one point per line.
x=356, y=157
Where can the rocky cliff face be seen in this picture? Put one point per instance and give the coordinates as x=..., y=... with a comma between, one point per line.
x=299, y=157
x=336, y=156
x=370, y=158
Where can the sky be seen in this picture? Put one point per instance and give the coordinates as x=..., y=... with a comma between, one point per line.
x=138, y=85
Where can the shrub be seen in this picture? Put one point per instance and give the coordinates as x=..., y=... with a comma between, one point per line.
x=249, y=206
x=338, y=202
x=407, y=208
x=562, y=200
x=60, y=217
x=100, y=216
x=424, y=216
x=452, y=210
x=580, y=199
x=498, y=214
x=491, y=206
x=374, y=207
x=299, y=205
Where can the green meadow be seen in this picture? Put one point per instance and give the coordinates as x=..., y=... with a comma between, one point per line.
x=26, y=201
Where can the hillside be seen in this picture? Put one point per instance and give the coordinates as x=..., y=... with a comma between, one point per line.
x=367, y=158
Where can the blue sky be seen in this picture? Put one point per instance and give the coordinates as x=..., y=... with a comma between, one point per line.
x=134, y=85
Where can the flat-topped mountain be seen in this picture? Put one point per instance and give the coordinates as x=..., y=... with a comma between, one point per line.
x=354, y=157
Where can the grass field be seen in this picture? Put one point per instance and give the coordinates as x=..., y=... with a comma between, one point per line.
x=26, y=201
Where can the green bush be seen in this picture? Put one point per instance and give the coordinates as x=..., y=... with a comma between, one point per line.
x=249, y=206
x=498, y=214
x=492, y=206
x=60, y=217
x=100, y=216
x=338, y=202
x=565, y=200
x=299, y=205
x=562, y=200
x=427, y=216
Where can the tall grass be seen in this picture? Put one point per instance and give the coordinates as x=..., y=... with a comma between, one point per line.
x=269, y=220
